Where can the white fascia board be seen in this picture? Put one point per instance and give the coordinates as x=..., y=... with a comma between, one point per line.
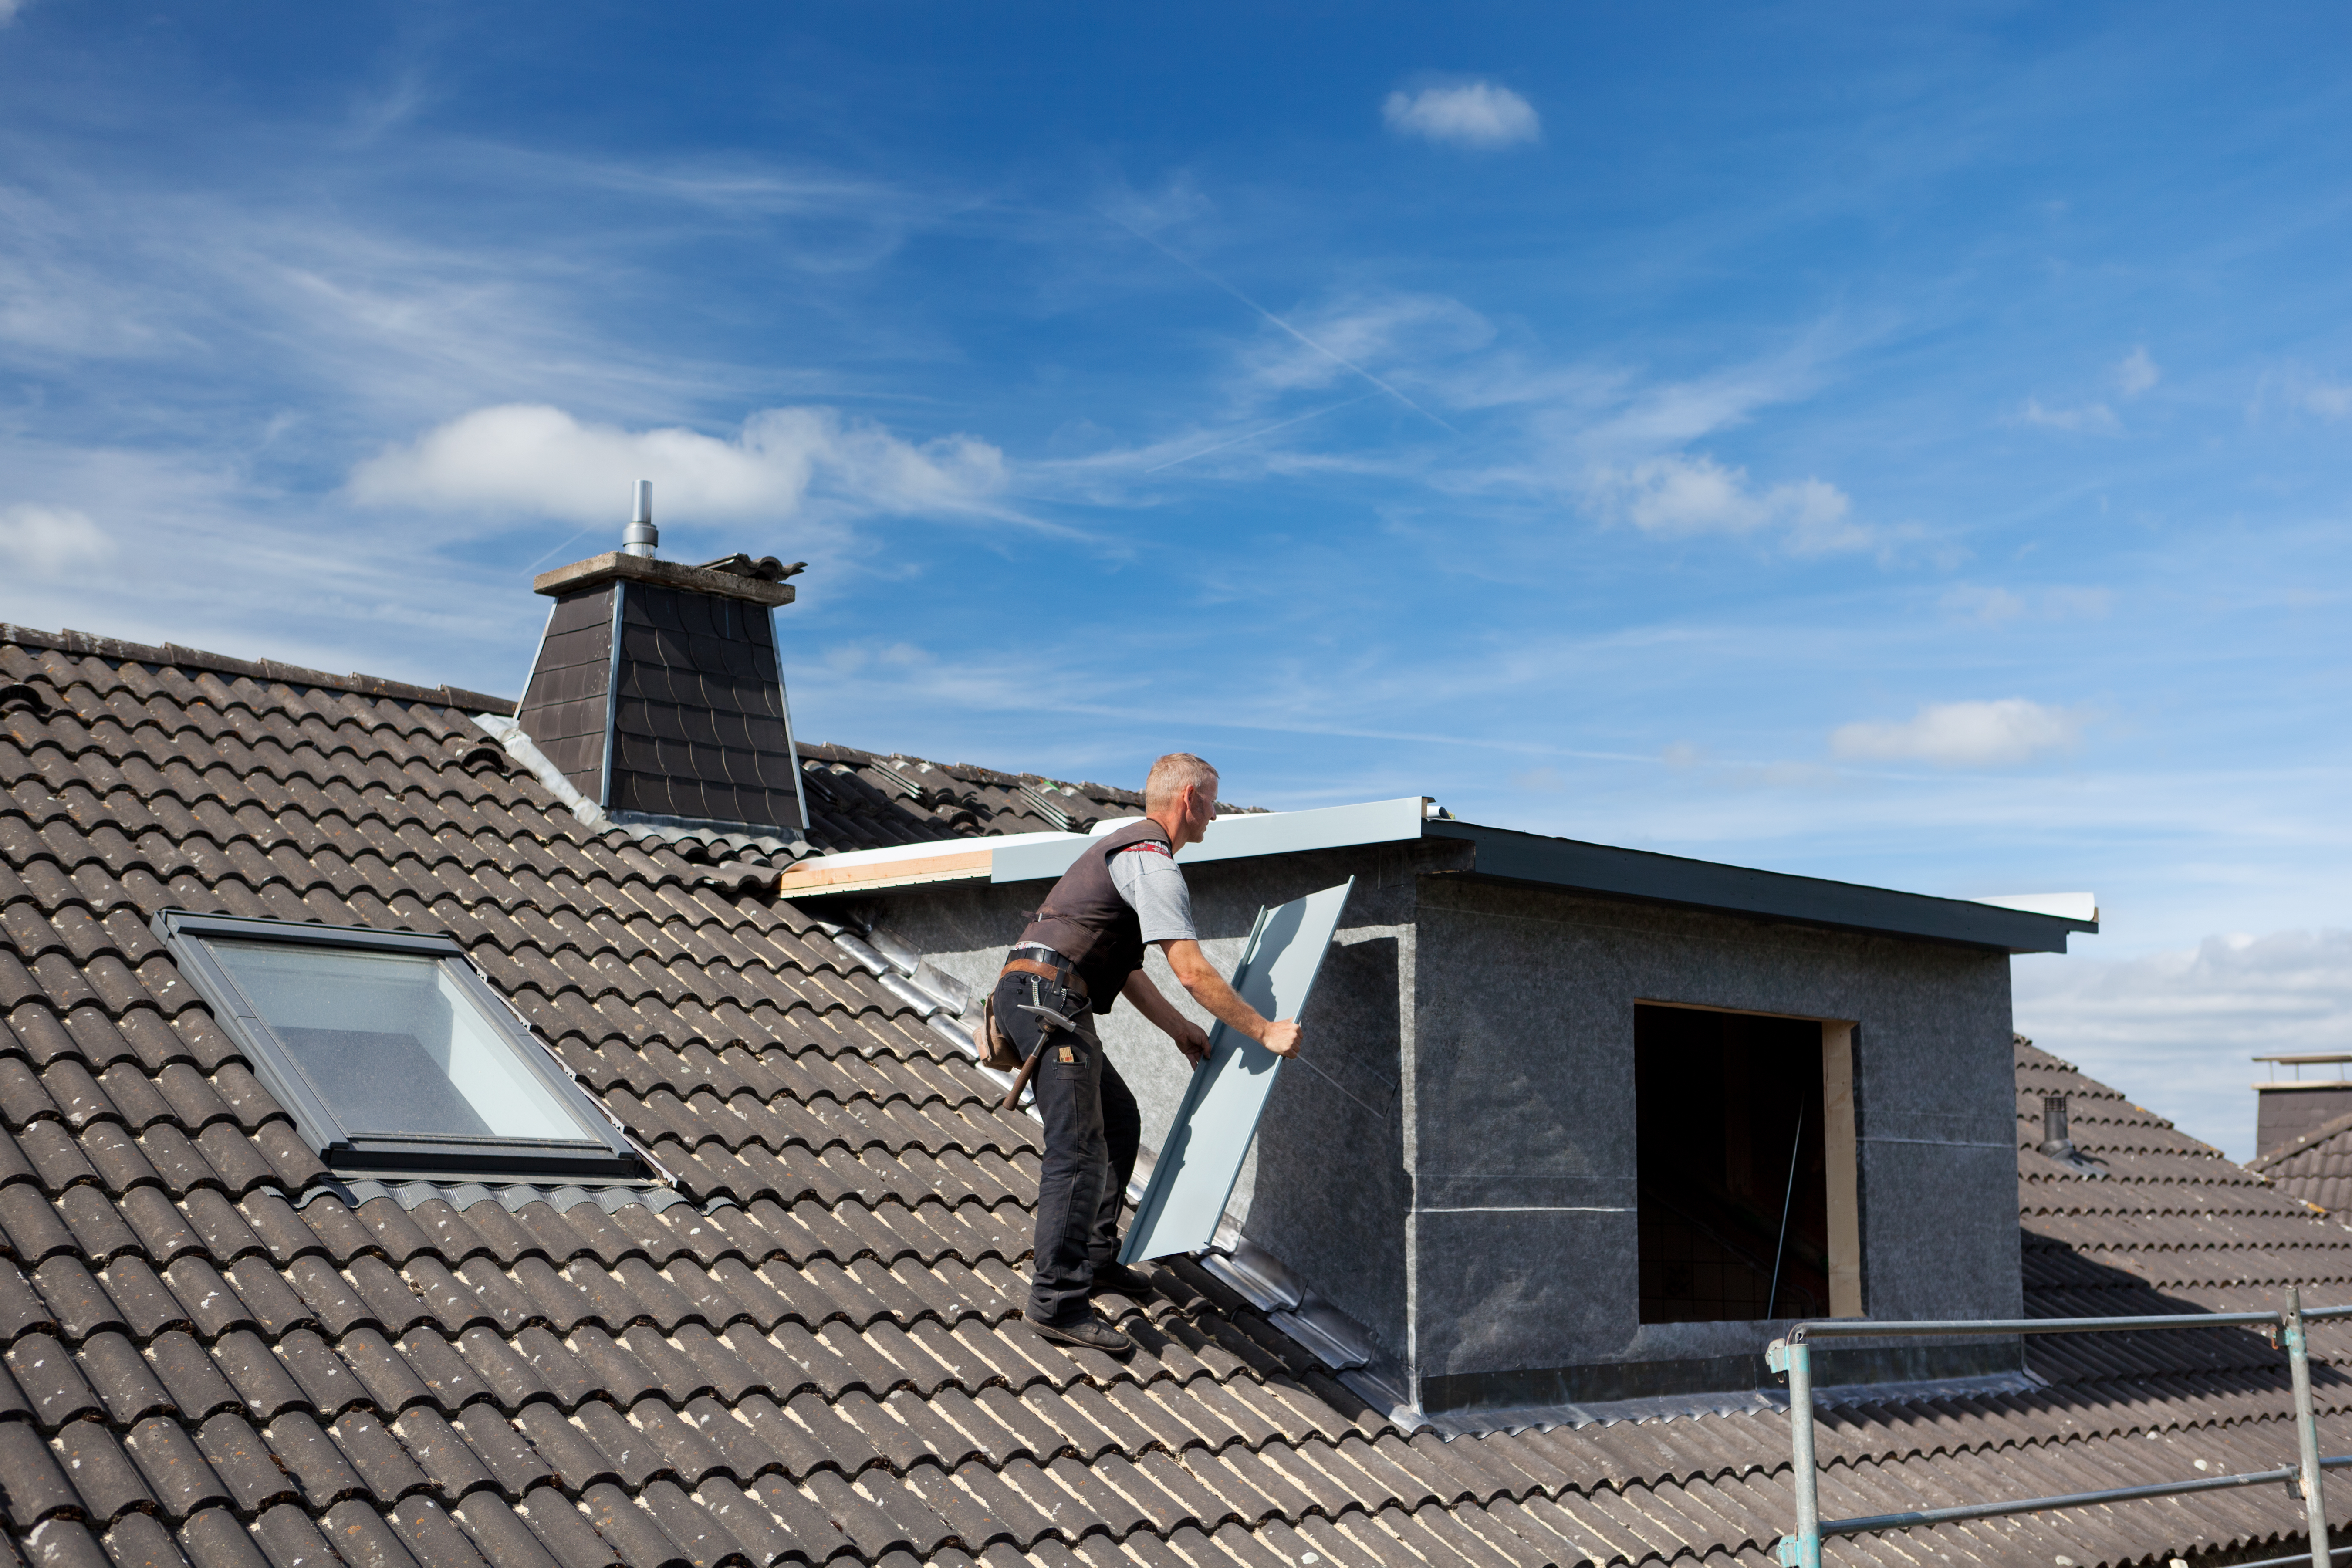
x=1038, y=856
x=2065, y=906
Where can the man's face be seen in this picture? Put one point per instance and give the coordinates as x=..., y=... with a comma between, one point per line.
x=1200, y=810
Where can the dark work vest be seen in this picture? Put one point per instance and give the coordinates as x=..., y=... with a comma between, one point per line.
x=1085, y=920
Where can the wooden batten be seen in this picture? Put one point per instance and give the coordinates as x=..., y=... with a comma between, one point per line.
x=817, y=875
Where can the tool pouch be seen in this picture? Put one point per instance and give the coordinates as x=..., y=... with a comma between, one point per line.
x=996, y=1047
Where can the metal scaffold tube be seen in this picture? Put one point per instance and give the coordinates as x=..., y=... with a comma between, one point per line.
x=2290, y=1327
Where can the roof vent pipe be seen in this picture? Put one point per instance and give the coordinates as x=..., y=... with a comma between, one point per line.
x=640, y=537
x=2054, y=1140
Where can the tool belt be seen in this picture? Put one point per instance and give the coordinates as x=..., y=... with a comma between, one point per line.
x=997, y=1049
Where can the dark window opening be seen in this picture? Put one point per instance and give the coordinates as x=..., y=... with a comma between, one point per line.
x=1728, y=1124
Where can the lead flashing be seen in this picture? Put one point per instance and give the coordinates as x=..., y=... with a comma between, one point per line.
x=598, y=569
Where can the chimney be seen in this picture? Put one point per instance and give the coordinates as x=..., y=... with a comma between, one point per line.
x=657, y=692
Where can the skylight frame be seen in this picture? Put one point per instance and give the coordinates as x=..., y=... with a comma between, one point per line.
x=603, y=1155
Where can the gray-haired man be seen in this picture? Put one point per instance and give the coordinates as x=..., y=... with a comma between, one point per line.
x=1083, y=951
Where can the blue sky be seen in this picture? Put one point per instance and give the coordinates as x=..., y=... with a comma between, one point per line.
x=1905, y=447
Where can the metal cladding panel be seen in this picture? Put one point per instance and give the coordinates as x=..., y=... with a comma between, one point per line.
x=563, y=709
x=1200, y=1158
x=699, y=723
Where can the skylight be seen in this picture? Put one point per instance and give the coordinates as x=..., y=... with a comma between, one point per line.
x=394, y=1053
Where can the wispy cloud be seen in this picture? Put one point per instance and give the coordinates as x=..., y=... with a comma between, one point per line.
x=1999, y=733
x=2180, y=1027
x=2088, y=418
x=1682, y=495
x=1991, y=606
x=1466, y=114
x=2138, y=373
x=49, y=541
x=541, y=461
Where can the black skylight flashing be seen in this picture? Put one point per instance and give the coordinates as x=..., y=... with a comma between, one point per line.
x=606, y=1155
x=1504, y=855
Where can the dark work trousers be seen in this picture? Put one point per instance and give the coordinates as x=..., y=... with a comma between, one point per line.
x=1092, y=1130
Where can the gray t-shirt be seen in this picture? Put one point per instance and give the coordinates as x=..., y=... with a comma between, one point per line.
x=1145, y=875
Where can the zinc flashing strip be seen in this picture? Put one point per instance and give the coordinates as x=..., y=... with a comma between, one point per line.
x=785, y=701
x=612, y=701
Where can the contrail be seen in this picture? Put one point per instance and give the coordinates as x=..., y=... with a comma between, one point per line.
x=1254, y=434
x=1208, y=277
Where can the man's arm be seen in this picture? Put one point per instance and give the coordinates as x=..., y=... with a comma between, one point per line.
x=1209, y=989
x=1189, y=1037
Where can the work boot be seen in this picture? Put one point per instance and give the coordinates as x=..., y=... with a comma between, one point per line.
x=1091, y=1333
x=1133, y=1283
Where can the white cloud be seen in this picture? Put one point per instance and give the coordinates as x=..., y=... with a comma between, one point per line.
x=2095, y=418
x=1962, y=734
x=48, y=541
x=541, y=462
x=1990, y=606
x=2177, y=1030
x=2138, y=373
x=1995, y=605
x=1682, y=495
x=8, y=9
x=1471, y=114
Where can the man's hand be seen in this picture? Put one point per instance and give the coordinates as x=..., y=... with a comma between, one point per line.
x=1209, y=989
x=1192, y=1039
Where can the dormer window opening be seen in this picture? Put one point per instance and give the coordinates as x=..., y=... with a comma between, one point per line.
x=394, y=1053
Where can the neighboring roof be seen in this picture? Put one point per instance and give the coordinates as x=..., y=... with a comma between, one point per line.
x=214, y=1359
x=2317, y=1168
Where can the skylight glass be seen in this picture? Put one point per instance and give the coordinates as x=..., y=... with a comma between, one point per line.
x=394, y=1053
x=392, y=1043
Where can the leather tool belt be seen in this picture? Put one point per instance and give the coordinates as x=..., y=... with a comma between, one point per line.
x=995, y=1046
x=1062, y=975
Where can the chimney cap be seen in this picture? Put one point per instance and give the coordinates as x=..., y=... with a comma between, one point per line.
x=599, y=570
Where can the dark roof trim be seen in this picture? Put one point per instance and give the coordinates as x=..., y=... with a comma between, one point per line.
x=1505, y=855
x=614, y=565
x=83, y=644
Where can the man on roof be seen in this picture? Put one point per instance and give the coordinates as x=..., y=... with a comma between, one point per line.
x=1084, y=951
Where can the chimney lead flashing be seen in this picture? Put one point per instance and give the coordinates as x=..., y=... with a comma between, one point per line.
x=641, y=536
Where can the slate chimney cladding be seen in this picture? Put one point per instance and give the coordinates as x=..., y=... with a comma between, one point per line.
x=659, y=694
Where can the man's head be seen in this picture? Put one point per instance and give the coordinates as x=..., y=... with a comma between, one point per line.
x=1181, y=794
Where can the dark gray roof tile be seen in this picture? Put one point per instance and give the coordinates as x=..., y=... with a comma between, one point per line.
x=502, y=1538
x=63, y=1543
x=105, y=1477
x=191, y=1376
x=431, y=1536
x=391, y=1383
x=242, y=1459
x=138, y=1298
x=212, y=1539
x=627, y=1528
x=174, y=1468
x=114, y=1367
x=298, y=1444
x=817, y=1537
x=443, y=1454
x=261, y=1379
x=78, y=1303
x=289, y=1540
x=141, y=1540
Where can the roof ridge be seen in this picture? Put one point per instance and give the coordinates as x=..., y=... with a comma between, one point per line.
x=2303, y=1145
x=91, y=646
